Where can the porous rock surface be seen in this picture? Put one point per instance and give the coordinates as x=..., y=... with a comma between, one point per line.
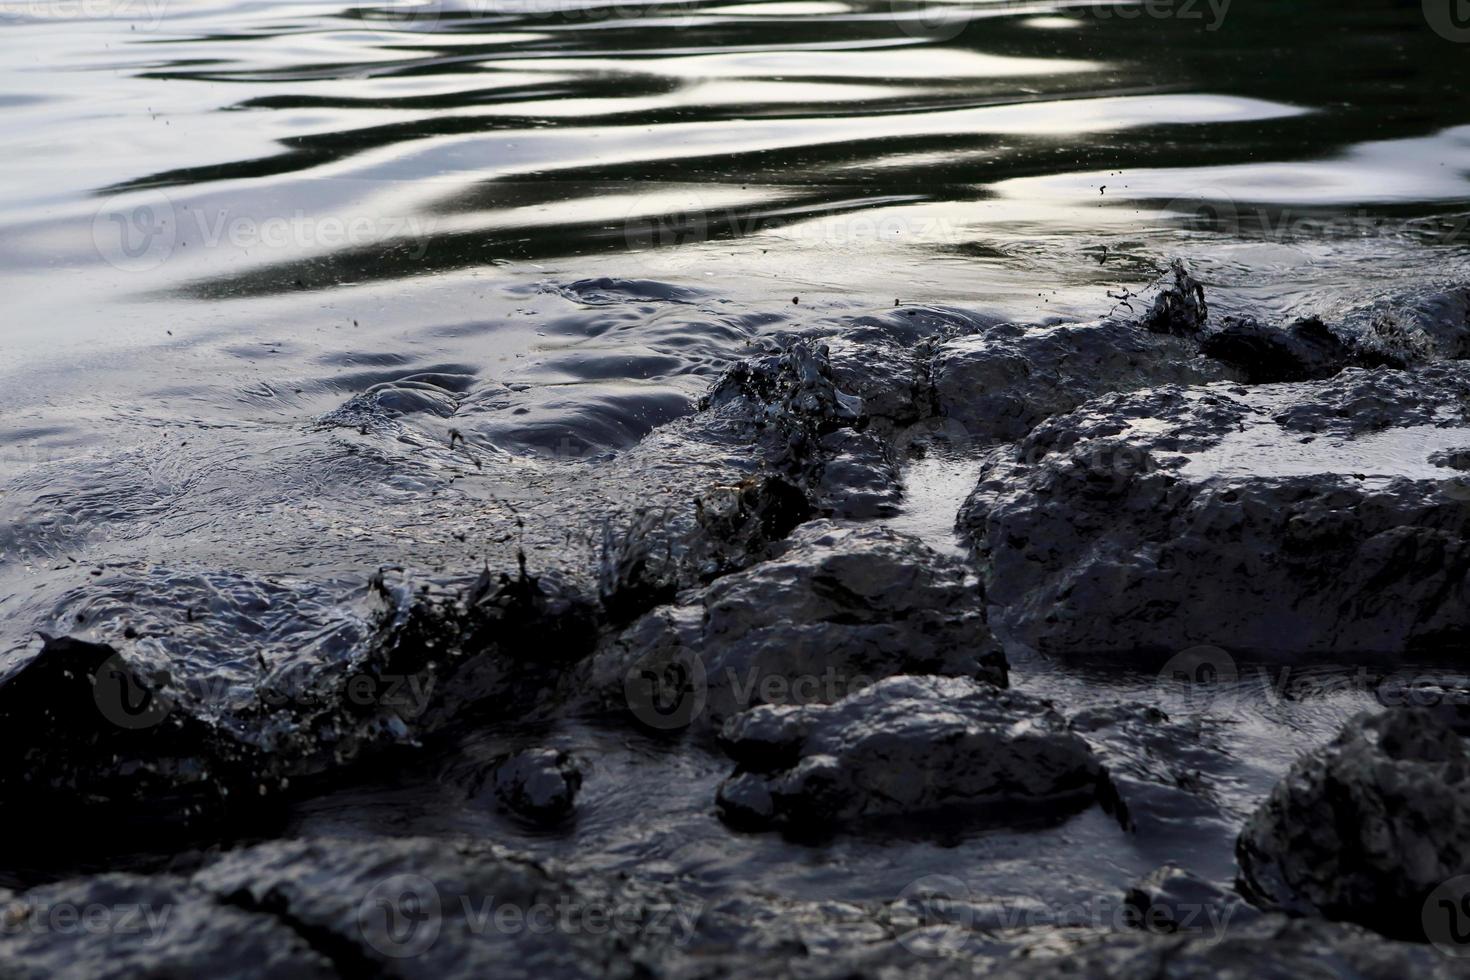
x=1280, y=520
x=539, y=784
x=841, y=606
x=997, y=383
x=123, y=925
x=1366, y=827
x=904, y=746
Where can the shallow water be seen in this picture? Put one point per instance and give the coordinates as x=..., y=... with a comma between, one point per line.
x=545, y=225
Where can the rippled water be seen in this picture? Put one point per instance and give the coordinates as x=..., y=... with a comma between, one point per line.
x=544, y=225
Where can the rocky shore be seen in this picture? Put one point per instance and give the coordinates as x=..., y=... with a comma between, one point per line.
x=752, y=615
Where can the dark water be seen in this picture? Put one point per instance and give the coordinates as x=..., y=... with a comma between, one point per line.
x=545, y=225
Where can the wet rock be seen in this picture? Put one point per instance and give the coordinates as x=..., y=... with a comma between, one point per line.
x=1280, y=520
x=415, y=907
x=89, y=739
x=1418, y=328
x=421, y=908
x=1304, y=350
x=886, y=360
x=494, y=649
x=94, y=739
x=1271, y=947
x=883, y=371
x=860, y=478
x=1364, y=828
x=999, y=384
x=1179, y=308
x=789, y=387
x=1159, y=771
x=904, y=747
x=120, y=925
x=739, y=524
x=836, y=608
x=1172, y=899
x=539, y=784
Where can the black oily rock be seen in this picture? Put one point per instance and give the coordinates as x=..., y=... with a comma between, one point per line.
x=1279, y=520
x=1273, y=946
x=123, y=925
x=839, y=607
x=1171, y=899
x=859, y=477
x=1366, y=827
x=1418, y=326
x=999, y=384
x=539, y=784
x=88, y=735
x=1161, y=772
x=415, y=907
x=903, y=747
x=1303, y=350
